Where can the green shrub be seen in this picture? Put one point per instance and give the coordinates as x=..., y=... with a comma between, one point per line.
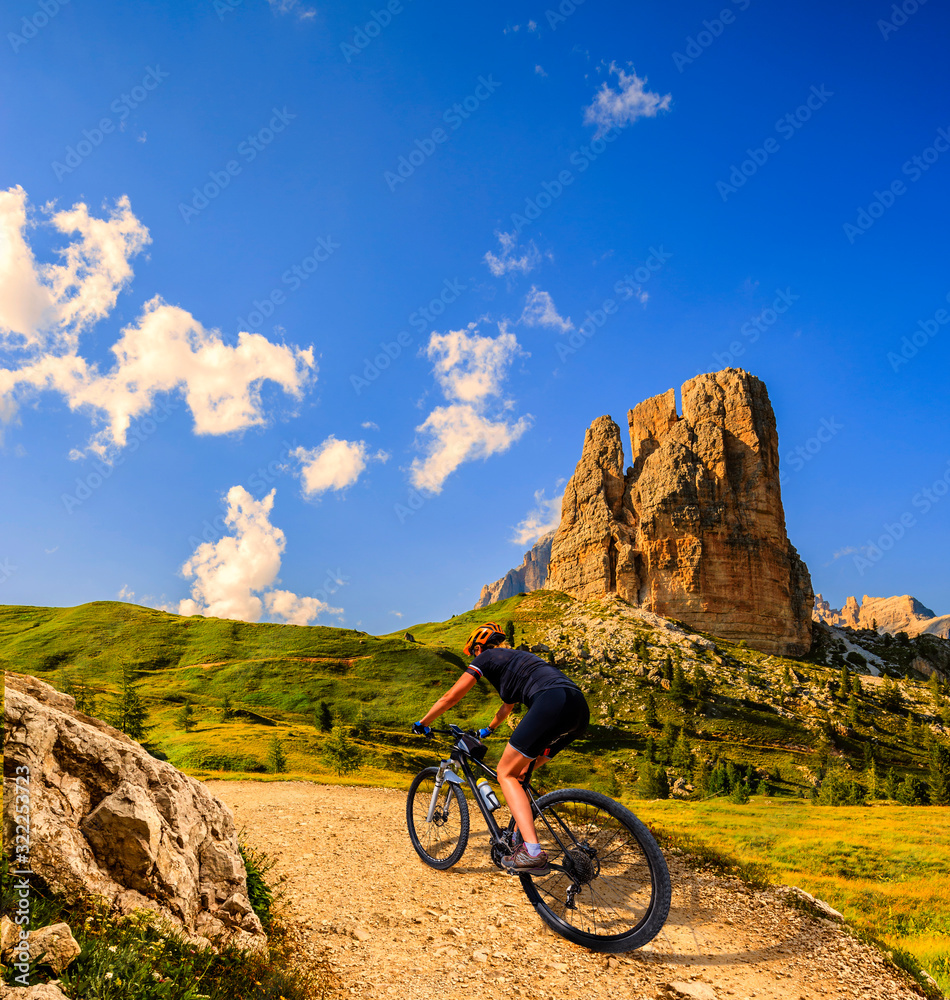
x=261, y=896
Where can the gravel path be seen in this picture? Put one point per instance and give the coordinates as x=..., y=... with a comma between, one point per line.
x=393, y=927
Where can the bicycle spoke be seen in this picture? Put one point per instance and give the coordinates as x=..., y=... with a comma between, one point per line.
x=606, y=893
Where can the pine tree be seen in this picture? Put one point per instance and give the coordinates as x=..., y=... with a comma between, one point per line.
x=938, y=778
x=854, y=710
x=872, y=780
x=912, y=792
x=340, y=753
x=667, y=742
x=652, y=782
x=890, y=695
x=324, y=718
x=682, y=757
x=890, y=785
x=649, y=713
x=739, y=794
x=649, y=749
x=678, y=685
x=668, y=668
x=183, y=718
x=78, y=688
x=276, y=758
x=844, y=683
x=510, y=632
x=701, y=775
x=227, y=709
x=910, y=729
x=702, y=686
x=127, y=712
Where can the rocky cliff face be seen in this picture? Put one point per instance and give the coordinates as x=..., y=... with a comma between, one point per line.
x=694, y=529
x=890, y=614
x=108, y=819
x=530, y=575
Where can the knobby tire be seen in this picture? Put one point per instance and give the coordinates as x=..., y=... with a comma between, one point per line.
x=623, y=885
x=442, y=842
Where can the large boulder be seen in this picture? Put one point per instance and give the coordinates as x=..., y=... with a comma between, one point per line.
x=107, y=818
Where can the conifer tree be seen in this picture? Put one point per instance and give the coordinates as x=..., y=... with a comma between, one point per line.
x=184, y=717
x=682, y=757
x=324, y=718
x=227, y=709
x=649, y=713
x=854, y=710
x=938, y=778
x=649, y=749
x=702, y=686
x=276, y=758
x=127, y=711
x=340, y=753
x=668, y=668
x=844, y=683
x=678, y=685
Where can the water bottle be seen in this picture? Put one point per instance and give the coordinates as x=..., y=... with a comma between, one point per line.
x=488, y=794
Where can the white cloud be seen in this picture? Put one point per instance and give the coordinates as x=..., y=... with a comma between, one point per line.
x=470, y=367
x=398, y=614
x=126, y=593
x=292, y=7
x=333, y=465
x=368, y=425
x=539, y=310
x=508, y=261
x=539, y=69
x=234, y=576
x=470, y=370
x=45, y=308
x=617, y=108
x=545, y=516
x=532, y=26
x=460, y=434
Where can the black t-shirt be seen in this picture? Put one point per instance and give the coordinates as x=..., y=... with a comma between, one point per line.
x=517, y=675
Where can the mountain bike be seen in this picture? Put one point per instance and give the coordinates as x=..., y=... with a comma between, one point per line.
x=608, y=887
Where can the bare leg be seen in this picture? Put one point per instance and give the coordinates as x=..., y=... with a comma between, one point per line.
x=511, y=768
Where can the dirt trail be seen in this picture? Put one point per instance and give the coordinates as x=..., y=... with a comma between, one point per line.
x=393, y=927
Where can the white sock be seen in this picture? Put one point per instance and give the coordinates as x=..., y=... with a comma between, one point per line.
x=533, y=849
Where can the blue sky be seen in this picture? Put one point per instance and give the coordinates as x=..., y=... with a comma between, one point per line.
x=293, y=297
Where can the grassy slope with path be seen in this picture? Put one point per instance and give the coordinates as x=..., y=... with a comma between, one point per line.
x=885, y=867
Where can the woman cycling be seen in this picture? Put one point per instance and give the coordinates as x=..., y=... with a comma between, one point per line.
x=557, y=714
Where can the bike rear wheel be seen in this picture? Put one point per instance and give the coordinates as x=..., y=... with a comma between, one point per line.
x=614, y=894
x=441, y=841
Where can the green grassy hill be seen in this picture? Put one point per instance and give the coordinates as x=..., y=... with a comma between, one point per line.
x=784, y=722
x=713, y=714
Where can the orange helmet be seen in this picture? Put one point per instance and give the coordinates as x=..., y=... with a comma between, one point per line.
x=484, y=635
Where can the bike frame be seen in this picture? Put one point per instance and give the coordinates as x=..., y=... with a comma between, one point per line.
x=459, y=758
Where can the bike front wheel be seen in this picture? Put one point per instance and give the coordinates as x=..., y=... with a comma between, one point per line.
x=441, y=840
x=611, y=891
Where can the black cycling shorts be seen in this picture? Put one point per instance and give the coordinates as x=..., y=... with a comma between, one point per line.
x=556, y=717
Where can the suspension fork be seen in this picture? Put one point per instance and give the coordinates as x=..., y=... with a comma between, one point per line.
x=446, y=773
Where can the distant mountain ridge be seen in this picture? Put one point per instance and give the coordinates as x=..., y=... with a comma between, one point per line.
x=887, y=614
x=530, y=575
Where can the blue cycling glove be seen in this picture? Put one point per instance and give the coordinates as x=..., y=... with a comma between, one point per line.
x=484, y=733
x=420, y=730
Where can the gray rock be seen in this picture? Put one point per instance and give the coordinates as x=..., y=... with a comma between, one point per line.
x=54, y=946
x=109, y=819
